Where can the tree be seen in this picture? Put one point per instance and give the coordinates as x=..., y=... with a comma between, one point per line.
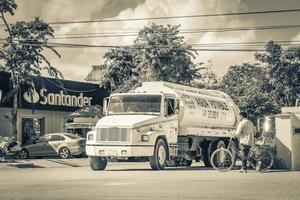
x=249, y=88
x=120, y=74
x=208, y=78
x=158, y=54
x=163, y=55
x=21, y=53
x=283, y=72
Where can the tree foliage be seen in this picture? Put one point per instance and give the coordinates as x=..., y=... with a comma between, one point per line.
x=262, y=89
x=158, y=54
x=208, y=78
x=247, y=85
x=120, y=74
x=283, y=72
x=22, y=51
x=8, y=6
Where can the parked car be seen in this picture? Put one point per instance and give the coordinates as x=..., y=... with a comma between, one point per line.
x=64, y=145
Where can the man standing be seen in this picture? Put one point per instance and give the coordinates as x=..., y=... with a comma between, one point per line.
x=245, y=133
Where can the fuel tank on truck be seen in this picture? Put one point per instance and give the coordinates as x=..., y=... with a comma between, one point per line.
x=209, y=111
x=198, y=108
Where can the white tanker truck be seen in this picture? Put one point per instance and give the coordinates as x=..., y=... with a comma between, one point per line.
x=168, y=123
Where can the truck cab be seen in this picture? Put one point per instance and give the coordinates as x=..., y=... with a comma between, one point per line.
x=133, y=124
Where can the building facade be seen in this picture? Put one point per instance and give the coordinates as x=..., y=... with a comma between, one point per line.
x=47, y=108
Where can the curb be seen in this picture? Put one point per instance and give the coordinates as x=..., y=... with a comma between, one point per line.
x=21, y=165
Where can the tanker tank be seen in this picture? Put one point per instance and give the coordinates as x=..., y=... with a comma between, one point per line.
x=198, y=108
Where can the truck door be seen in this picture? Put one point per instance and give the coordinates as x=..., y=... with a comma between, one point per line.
x=171, y=119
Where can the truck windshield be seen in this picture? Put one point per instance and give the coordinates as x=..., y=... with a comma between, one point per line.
x=135, y=104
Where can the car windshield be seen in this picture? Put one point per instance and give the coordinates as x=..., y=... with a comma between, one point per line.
x=135, y=104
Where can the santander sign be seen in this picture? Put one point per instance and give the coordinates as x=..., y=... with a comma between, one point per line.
x=57, y=99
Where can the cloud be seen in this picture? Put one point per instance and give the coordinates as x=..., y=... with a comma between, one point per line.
x=296, y=37
x=75, y=63
x=221, y=60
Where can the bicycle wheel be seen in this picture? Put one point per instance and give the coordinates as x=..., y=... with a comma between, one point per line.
x=222, y=160
x=264, y=162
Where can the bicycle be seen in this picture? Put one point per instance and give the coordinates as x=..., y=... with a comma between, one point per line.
x=260, y=157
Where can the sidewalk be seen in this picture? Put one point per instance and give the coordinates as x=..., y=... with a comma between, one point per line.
x=16, y=164
x=45, y=163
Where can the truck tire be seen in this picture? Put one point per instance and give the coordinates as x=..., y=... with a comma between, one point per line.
x=159, y=159
x=208, y=149
x=206, y=154
x=97, y=163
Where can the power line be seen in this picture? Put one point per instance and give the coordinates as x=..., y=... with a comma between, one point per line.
x=197, y=30
x=246, y=43
x=242, y=47
x=187, y=31
x=71, y=90
x=177, y=17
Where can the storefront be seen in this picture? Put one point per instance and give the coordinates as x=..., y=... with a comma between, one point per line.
x=46, y=110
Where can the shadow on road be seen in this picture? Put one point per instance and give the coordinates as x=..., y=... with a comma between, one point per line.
x=167, y=169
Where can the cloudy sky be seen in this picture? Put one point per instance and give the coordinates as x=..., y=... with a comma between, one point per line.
x=76, y=63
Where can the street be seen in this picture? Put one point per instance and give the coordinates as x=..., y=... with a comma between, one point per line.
x=136, y=181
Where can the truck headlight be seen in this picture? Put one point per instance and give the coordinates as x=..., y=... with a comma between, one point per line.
x=90, y=137
x=145, y=138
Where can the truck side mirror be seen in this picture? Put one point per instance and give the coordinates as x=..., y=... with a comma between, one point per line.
x=105, y=104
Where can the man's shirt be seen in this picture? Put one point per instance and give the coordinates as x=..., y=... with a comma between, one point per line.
x=245, y=132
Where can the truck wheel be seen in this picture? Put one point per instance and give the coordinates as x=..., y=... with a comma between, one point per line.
x=208, y=150
x=97, y=163
x=207, y=153
x=159, y=159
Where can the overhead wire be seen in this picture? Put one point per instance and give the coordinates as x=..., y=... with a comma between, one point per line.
x=177, y=17
x=187, y=31
x=71, y=90
x=213, y=46
x=197, y=47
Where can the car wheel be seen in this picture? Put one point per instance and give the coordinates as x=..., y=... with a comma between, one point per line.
x=64, y=153
x=23, y=154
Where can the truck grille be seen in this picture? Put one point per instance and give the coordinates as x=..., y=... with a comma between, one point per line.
x=113, y=134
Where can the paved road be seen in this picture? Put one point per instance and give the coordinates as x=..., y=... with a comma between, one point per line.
x=136, y=181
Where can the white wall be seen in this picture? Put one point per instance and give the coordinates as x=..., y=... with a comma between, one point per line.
x=288, y=142
x=283, y=127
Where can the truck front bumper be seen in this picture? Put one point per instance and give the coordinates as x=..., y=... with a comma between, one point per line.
x=119, y=150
